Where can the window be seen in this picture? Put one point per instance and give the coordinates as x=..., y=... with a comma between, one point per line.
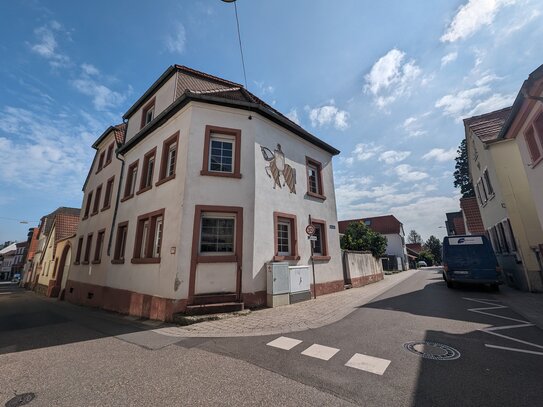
x=501, y=236
x=120, y=243
x=535, y=153
x=101, y=161
x=99, y=246
x=488, y=184
x=88, y=205
x=78, y=252
x=108, y=194
x=97, y=200
x=131, y=176
x=147, y=171
x=217, y=233
x=510, y=235
x=286, y=240
x=222, y=152
x=87, y=249
x=314, y=178
x=148, y=113
x=169, y=158
x=149, y=233
x=109, y=154
x=320, y=248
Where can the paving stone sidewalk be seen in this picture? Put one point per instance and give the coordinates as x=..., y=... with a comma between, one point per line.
x=291, y=318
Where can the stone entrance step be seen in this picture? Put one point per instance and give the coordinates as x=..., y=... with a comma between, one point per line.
x=203, y=309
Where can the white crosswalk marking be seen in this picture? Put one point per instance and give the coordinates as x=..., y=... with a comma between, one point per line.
x=320, y=352
x=368, y=363
x=284, y=343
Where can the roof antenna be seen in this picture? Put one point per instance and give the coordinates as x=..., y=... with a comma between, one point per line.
x=239, y=38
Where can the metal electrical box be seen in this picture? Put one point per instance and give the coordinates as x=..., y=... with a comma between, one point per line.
x=278, y=284
x=300, y=283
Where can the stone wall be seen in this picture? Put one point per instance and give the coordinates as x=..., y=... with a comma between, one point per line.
x=361, y=268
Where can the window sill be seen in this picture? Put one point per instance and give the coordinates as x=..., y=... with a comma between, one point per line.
x=94, y=213
x=321, y=258
x=163, y=180
x=85, y=217
x=317, y=196
x=105, y=208
x=126, y=198
x=228, y=258
x=84, y=262
x=117, y=261
x=142, y=190
x=147, y=260
x=76, y=263
x=96, y=261
x=282, y=258
x=220, y=174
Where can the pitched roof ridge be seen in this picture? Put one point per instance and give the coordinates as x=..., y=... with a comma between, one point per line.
x=206, y=75
x=472, y=119
x=218, y=90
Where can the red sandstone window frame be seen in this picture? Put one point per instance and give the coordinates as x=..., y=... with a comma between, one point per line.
x=109, y=155
x=534, y=140
x=151, y=218
x=100, y=238
x=317, y=165
x=235, y=134
x=324, y=240
x=79, y=249
x=120, y=243
x=96, y=206
x=101, y=158
x=165, y=159
x=88, y=247
x=108, y=193
x=150, y=155
x=88, y=206
x=150, y=105
x=128, y=192
x=293, y=236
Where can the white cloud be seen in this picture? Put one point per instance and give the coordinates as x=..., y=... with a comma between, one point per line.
x=293, y=115
x=363, y=152
x=455, y=104
x=413, y=127
x=47, y=45
x=328, y=115
x=406, y=173
x=486, y=79
x=440, y=154
x=473, y=16
x=263, y=88
x=495, y=102
x=528, y=14
x=89, y=69
x=450, y=57
x=176, y=43
x=392, y=156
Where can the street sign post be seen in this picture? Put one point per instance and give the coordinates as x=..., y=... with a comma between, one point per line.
x=310, y=230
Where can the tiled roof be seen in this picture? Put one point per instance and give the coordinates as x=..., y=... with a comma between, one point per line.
x=455, y=223
x=119, y=130
x=488, y=126
x=473, y=215
x=415, y=247
x=50, y=219
x=385, y=225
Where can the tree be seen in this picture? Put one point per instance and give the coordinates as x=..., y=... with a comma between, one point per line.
x=414, y=237
x=433, y=245
x=359, y=237
x=427, y=257
x=461, y=173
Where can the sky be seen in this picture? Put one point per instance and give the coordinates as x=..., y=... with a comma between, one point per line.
x=387, y=83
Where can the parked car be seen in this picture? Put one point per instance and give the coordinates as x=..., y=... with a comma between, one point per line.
x=470, y=259
x=422, y=263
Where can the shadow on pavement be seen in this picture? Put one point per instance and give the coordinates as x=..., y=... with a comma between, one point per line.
x=28, y=321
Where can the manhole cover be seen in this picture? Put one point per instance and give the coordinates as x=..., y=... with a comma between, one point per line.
x=20, y=400
x=432, y=350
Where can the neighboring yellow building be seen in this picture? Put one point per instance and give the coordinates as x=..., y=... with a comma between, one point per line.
x=505, y=200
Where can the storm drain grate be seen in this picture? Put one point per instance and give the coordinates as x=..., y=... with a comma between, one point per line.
x=20, y=400
x=432, y=350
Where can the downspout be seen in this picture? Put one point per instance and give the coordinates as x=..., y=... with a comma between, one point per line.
x=117, y=155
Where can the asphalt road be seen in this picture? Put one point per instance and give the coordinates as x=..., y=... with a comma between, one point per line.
x=71, y=355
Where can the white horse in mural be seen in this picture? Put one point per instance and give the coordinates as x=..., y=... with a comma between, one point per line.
x=278, y=167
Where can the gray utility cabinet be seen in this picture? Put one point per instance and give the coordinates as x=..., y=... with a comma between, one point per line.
x=287, y=284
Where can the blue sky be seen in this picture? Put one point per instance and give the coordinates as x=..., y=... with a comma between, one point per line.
x=387, y=83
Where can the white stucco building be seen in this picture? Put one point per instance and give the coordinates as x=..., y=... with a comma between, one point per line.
x=210, y=184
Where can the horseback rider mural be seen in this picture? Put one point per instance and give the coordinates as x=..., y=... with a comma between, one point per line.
x=278, y=167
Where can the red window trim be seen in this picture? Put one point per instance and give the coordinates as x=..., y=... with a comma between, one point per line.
x=88, y=249
x=324, y=236
x=98, y=196
x=293, y=236
x=101, y=159
x=79, y=250
x=117, y=249
x=88, y=206
x=97, y=259
x=318, y=164
x=144, y=111
x=127, y=184
x=136, y=259
x=236, y=133
x=173, y=139
x=108, y=205
x=109, y=155
x=150, y=154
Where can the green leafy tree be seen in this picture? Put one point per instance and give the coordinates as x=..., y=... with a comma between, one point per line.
x=427, y=257
x=414, y=237
x=461, y=173
x=359, y=237
x=433, y=245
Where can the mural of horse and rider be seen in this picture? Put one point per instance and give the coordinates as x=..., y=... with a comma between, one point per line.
x=277, y=167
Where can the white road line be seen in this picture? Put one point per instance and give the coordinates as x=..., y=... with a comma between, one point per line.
x=284, y=343
x=320, y=352
x=514, y=349
x=491, y=330
x=368, y=363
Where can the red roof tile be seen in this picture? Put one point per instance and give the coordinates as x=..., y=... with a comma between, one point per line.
x=415, y=247
x=385, y=225
x=119, y=131
x=470, y=208
x=488, y=126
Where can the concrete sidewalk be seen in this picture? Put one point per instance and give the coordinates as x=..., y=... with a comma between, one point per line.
x=529, y=305
x=291, y=318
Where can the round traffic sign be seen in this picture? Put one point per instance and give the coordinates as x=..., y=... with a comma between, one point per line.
x=310, y=229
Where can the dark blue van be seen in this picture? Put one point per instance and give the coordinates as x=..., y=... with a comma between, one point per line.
x=470, y=259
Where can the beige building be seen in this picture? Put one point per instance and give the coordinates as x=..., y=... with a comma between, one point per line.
x=210, y=184
x=505, y=201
